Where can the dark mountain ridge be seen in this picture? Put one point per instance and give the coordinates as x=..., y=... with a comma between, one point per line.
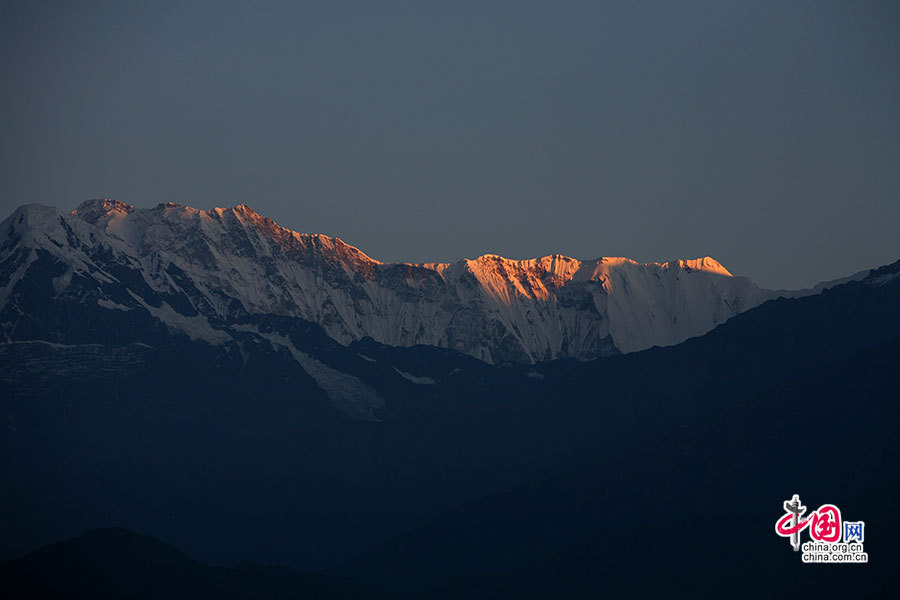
x=236, y=450
x=116, y=563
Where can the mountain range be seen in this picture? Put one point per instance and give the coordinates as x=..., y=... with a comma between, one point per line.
x=194, y=270
x=110, y=274
x=142, y=388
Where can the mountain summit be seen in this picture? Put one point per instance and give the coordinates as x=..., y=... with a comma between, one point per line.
x=195, y=270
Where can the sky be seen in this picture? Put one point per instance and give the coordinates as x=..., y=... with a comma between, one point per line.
x=764, y=134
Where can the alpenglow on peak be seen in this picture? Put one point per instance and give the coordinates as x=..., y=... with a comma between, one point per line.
x=196, y=270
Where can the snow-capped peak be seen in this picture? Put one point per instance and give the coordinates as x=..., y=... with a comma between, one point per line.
x=205, y=265
x=93, y=211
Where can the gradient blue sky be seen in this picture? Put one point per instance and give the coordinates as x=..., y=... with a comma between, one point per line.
x=765, y=134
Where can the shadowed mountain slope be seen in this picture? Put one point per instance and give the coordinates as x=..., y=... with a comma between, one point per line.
x=115, y=563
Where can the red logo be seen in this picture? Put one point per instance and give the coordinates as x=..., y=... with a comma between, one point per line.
x=824, y=523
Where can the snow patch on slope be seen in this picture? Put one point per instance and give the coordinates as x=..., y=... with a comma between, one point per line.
x=415, y=378
x=346, y=392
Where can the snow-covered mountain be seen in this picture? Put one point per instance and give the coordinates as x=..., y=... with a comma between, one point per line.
x=195, y=271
